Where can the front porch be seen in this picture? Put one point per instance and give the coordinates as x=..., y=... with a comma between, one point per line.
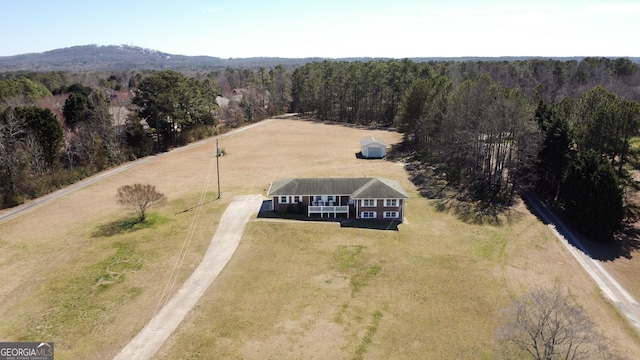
x=327, y=209
x=267, y=212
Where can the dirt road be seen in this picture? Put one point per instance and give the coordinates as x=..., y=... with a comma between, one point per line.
x=11, y=213
x=607, y=283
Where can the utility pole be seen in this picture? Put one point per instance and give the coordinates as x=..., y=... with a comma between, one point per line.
x=218, y=165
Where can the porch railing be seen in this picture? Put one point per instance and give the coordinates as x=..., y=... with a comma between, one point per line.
x=328, y=210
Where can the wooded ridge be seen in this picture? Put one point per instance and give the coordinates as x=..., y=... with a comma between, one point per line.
x=126, y=57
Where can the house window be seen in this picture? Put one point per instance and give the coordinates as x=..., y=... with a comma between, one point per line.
x=390, y=214
x=368, y=214
x=283, y=200
x=391, y=202
x=296, y=199
x=330, y=198
x=369, y=202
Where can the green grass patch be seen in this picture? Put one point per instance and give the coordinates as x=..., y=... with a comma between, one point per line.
x=352, y=262
x=374, y=270
x=361, y=278
x=490, y=244
x=77, y=304
x=368, y=337
x=128, y=225
x=347, y=256
x=114, y=269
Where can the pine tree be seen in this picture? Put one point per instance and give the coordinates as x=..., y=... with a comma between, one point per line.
x=592, y=194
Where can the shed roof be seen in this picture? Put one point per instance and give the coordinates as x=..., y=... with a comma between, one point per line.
x=363, y=188
x=372, y=140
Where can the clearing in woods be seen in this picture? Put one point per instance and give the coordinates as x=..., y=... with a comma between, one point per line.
x=77, y=274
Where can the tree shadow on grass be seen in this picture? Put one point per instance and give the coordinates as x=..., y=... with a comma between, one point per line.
x=452, y=199
x=431, y=182
x=478, y=213
x=123, y=226
x=623, y=244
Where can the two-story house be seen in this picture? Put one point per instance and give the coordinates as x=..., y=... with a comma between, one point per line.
x=359, y=198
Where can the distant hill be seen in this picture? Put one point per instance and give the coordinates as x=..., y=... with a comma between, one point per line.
x=124, y=57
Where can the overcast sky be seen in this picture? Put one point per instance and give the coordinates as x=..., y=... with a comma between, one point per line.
x=330, y=28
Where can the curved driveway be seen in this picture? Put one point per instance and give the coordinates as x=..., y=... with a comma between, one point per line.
x=223, y=245
x=221, y=248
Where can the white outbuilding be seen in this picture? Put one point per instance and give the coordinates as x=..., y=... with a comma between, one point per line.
x=372, y=148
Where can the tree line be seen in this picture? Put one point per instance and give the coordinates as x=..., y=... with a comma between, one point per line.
x=57, y=128
x=31, y=85
x=494, y=129
x=39, y=152
x=491, y=128
x=370, y=92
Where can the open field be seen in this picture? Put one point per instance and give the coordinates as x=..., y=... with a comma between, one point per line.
x=74, y=274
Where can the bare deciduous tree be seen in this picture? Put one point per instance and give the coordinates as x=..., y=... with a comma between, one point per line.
x=36, y=155
x=139, y=197
x=549, y=325
x=12, y=156
x=489, y=140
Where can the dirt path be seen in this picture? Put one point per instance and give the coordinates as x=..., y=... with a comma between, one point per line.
x=607, y=283
x=222, y=247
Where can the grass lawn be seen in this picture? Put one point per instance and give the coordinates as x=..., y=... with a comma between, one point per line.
x=91, y=288
x=78, y=274
x=432, y=290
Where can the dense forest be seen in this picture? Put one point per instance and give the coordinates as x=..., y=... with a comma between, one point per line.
x=567, y=130
x=492, y=129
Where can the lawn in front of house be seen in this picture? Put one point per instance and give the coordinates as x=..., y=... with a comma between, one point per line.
x=75, y=275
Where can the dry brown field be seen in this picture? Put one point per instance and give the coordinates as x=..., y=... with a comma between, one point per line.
x=74, y=274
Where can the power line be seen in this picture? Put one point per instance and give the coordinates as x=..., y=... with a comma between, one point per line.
x=171, y=281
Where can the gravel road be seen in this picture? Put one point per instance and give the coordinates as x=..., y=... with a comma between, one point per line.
x=607, y=283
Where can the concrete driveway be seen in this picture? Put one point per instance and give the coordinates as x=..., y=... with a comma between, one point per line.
x=223, y=245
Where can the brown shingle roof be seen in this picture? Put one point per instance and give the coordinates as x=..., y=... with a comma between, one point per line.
x=358, y=188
